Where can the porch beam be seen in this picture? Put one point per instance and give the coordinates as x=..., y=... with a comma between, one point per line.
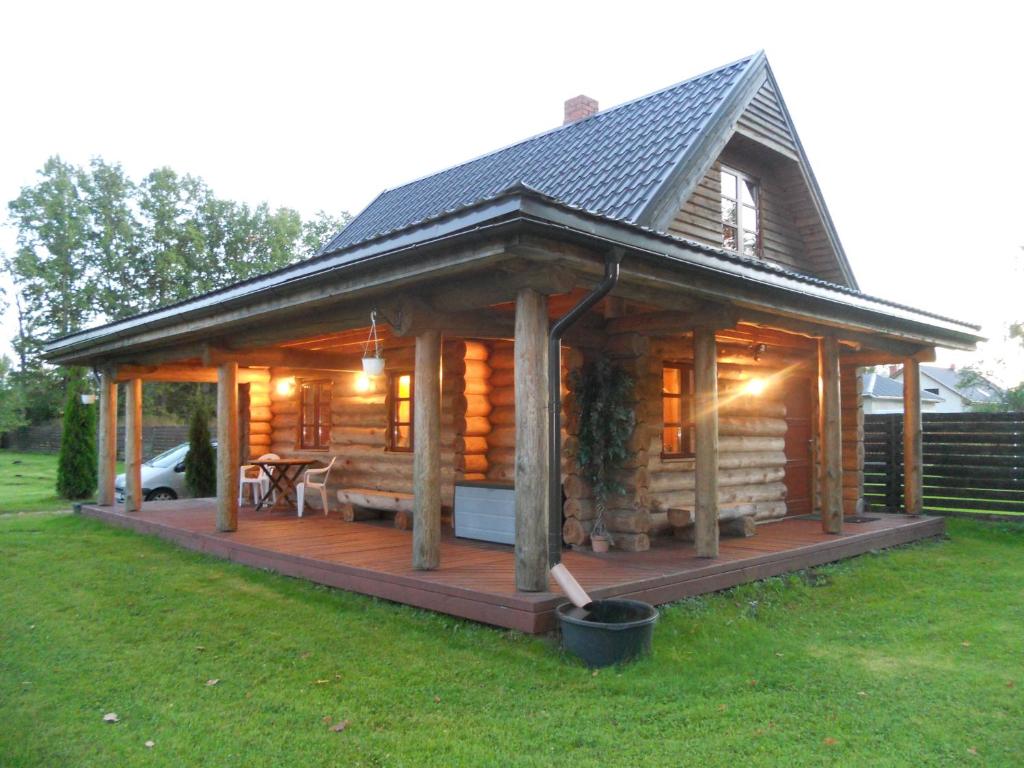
x=287, y=358
x=426, y=525
x=869, y=357
x=181, y=373
x=227, y=447
x=674, y=321
x=705, y=382
x=107, y=448
x=831, y=430
x=912, y=472
x=133, y=446
x=531, y=451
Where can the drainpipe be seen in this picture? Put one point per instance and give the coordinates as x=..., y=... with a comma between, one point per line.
x=611, y=277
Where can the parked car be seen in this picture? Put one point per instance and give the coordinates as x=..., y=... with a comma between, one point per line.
x=163, y=476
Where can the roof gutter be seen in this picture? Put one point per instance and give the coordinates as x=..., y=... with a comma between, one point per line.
x=611, y=277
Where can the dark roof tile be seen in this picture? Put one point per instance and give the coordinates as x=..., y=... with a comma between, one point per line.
x=611, y=163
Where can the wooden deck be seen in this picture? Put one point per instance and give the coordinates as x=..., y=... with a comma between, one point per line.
x=476, y=581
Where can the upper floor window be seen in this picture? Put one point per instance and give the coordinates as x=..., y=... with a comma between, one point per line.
x=677, y=405
x=740, y=225
x=315, y=415
x=400, y=411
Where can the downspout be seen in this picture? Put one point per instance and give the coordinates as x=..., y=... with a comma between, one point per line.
x=611, y=277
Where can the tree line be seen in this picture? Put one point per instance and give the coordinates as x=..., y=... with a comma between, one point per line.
x=94, y=245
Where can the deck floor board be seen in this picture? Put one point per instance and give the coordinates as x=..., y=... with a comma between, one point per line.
x=477, y=580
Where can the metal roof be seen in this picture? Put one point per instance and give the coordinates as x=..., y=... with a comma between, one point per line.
x=613, y=163
x=882, y=387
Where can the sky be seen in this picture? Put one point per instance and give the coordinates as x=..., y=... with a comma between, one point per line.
x=910, y=113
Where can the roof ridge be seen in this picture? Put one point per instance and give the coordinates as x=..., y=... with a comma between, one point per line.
x=565, y=126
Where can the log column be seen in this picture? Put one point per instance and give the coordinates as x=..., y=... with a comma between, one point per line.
x=107, y=438
x=831, y=430
x=426, y=526
x=705, y=383
x=133, y=446
x=227, y=447
x=531, y=452
x=912, y=480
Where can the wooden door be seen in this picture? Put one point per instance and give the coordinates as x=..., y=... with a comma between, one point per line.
x=799, y=433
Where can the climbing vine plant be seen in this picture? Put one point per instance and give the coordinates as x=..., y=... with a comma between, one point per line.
x=603, y=396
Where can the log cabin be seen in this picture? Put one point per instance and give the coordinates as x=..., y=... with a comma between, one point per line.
x=681, y=235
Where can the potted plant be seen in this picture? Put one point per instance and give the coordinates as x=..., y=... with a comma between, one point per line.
x=603, y=396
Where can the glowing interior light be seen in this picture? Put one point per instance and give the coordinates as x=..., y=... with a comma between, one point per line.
x=284, y=386
x=363, y=383
x=404, y=384
x=755, y=386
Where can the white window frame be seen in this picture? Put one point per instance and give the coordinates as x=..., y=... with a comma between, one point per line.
x=741, y=176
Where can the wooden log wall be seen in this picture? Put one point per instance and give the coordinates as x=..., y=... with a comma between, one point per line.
x=359, y=421
x=260, y=415
x=752, y=430
x=500, y=424
x=627, y=515
x=467, y=373
x=850, y=384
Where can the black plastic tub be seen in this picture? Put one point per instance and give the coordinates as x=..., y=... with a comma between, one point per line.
x=611, y=632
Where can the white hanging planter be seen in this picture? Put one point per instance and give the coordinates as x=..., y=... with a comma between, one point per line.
x=373, y=366
x=88, y=398
x=373, y=355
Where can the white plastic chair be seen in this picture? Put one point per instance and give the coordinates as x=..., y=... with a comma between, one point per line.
x=313, y=480
x=258, y=479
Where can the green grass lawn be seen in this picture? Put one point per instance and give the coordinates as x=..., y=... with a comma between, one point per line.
x=28, y=482
x=911, y=657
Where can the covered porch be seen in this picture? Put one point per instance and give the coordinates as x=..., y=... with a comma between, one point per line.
x=478, y=580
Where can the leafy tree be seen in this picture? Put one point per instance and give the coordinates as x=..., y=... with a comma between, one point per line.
x=95, y=246
x=1011, y=399
x=200, y=463
x=12, y=401
x=319, y=229
x=76, y=464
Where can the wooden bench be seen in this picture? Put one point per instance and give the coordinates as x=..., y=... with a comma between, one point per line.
x=733, y=520
x=365, y=503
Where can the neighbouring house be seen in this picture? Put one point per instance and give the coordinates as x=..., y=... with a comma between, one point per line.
x=681, y=235
x=945, y=384
x=880, y=394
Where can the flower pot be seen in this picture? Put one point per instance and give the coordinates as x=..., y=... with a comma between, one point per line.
x=608, y=631
x=373, y=366
x=599, y=543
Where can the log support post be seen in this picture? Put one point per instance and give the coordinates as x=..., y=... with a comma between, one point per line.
x=107, y=453
x=426, y=526
x=133, y=446
x=705, y=383
x=912, y=480
x=531, y=453
x=228, y=465
x=831, y=430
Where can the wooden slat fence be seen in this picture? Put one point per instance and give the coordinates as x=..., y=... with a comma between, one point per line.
x=973, y=462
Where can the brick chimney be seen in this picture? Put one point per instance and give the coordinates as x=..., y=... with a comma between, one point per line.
x=579, y=107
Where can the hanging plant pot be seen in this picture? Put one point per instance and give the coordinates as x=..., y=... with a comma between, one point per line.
x=88, y=398
x=373, y=366
x=373, y=357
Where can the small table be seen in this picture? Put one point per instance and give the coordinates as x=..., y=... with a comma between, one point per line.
x=283, y=475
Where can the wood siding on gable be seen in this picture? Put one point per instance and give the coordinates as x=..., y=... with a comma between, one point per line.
x=792, y=232
x=764, y=122
x=700, y=217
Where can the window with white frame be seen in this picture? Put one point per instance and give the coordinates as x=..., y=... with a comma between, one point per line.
x=740, y=219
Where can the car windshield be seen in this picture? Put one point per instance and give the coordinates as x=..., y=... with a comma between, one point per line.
x=169, y=458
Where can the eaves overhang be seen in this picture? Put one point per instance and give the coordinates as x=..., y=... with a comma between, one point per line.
x=518, y=209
